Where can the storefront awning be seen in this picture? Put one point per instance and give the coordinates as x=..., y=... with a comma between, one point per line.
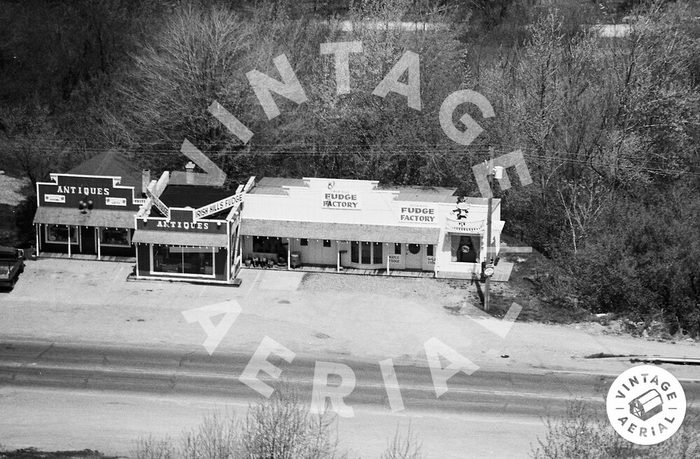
x=340, y=231
x=179, y=238
x=97, y=217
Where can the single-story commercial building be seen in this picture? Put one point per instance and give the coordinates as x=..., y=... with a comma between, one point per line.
x=357, y=224
x=188, y=232
x=90, y=209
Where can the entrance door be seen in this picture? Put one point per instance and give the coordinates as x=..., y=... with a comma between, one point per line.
x=414, y=256
x=87, y=240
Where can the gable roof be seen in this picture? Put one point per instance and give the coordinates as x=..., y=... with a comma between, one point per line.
x=111, y=163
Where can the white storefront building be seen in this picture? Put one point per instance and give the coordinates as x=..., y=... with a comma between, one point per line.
x=357, y=224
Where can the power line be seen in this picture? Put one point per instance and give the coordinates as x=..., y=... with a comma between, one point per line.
x=406, y=150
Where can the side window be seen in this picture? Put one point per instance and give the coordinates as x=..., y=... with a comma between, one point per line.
x=304, y=242
x=429, y=250
x=326, y=242
x=355, y=252
x=397, y=249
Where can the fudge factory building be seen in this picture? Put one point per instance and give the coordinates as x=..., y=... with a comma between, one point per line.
x=357, y=224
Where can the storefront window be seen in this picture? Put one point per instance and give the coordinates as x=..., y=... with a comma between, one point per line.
x=268, y=245
x=116, y=237
x=59, y=233
x=197, y=262
x=397, y=249
x=366, y=253
x=183, y=260
x=377, y=253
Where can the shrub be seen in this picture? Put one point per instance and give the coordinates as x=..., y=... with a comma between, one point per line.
x=403, y=447
x=282, y=427
x=586, y=433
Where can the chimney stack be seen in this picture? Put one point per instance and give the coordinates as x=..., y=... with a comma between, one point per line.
x=145, y=180
x=189, y=173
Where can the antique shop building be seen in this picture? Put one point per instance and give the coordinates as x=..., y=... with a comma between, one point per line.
x=357, y=224
x=90, y=210
x=186, y=231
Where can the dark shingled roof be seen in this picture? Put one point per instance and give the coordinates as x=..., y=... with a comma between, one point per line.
x=193, y=196
x=111, y=163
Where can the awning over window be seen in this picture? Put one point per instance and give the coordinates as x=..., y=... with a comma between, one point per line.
x=180, y=238
x=97, y=217
x=340, y=231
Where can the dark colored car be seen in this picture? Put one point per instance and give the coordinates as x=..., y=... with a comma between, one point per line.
x=11, y=266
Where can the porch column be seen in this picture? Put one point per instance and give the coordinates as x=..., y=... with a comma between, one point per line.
x=38, y=230
x=97, y=238
x=337, y=248
x=68, y=226
x=289, y=253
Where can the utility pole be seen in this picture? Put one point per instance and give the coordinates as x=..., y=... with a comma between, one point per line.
x=487, y=286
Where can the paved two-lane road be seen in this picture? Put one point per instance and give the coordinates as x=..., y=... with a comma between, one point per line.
x=101, y=397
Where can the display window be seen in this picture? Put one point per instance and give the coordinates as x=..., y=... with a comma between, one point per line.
x=465, y=249
x=176, y=260
x=115, y=237
x=366, y=253
x=377, y=253
x=269, y=245
x=59, y=234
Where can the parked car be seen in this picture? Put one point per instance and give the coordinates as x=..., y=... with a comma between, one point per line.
x=11, y=266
